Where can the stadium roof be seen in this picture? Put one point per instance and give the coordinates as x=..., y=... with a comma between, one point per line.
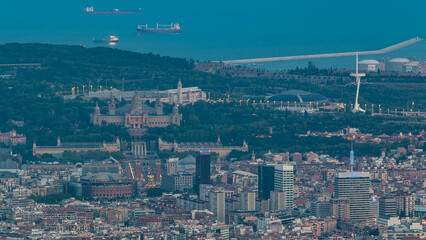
x=298, y=96
x=104, y=177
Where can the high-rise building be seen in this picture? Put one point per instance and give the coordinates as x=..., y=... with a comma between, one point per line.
x=217, y=205
x=202, y=170
x=374, y=209
x=284, y=181
x=354, y=186
x=340, y=208
x=278, y=200
x=248, y=201
x=265, y=180
x=405, y=204
x=387, y=206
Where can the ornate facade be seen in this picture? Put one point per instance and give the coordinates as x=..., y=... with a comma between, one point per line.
x=137, y=116
x=76, y=147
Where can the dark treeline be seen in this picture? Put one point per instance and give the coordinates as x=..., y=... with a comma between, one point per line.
x=34, y=96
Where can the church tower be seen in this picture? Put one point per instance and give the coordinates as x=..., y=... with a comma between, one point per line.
x=159, y=105
x=136, y=108
x=97, y=110
x=175, y=109
x=176, y=116
x=111, y=105
x=179, y=91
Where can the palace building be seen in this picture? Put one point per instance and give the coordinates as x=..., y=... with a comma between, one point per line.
x=136, y=115
x=76, y=147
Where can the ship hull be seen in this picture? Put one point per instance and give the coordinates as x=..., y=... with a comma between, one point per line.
x=155, y=30
x=113, y=12
x=104, y=41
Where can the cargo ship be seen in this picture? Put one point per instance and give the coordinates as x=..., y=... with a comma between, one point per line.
x=168, y=28
x=112, y=40
x=91, y=10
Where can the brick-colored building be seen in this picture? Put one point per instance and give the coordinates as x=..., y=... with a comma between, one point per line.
x=107, y=185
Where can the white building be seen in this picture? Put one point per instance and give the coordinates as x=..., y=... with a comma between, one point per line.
x=411, y=67
x=248, y=201
x=217, y=205
x=396, y=64
x=371, y=65
x=284, y=181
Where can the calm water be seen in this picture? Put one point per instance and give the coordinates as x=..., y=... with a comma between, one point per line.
x=226, y=29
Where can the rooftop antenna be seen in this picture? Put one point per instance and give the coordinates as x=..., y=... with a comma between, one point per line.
x=357, y=76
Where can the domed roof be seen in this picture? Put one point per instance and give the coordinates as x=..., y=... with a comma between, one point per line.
x=297, y=96
x=104, y=177
x=369, y=61
x=188, y=160
x=399, y=60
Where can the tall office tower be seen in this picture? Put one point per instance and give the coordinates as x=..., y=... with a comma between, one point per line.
x=340, y=208
x=202, y=170
x=284, y=181
x=278, y=200
x=217, y=205
x=265, y=181
x=387, y=206
x=354, y=186
x=248, y=201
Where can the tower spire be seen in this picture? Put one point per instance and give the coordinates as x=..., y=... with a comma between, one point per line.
x=158, y=105
x=97, y=110
x=111, y=105
x=179, y=92
x=357, y=76
x=136, y=107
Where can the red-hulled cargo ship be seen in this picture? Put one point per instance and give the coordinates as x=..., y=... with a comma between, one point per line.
x=169, y=28
x=91, y=10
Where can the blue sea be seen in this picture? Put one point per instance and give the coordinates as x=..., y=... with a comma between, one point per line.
x=226, y=29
